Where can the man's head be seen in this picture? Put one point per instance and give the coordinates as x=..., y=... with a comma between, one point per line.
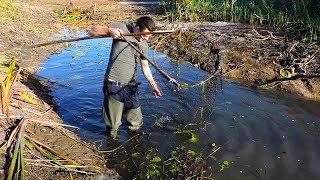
x=145, y=24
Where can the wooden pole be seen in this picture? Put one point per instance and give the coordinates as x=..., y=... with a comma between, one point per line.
x=164, y=74
x=96, y=37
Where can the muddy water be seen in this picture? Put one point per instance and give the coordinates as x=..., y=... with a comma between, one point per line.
x=262, y=135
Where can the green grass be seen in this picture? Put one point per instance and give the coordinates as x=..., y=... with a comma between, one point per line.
x=8, y=11
x=295, y=16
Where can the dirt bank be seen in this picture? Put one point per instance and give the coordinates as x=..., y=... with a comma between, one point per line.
x=258, y=57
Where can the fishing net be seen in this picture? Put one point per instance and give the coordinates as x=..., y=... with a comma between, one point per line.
x=195, y=47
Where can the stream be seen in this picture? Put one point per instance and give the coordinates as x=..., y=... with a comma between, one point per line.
x=262, y=134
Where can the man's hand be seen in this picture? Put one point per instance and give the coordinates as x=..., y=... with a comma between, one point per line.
x=156, y=91
x=116, y=33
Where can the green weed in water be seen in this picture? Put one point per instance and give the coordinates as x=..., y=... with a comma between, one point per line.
x=187, y=135
x=224, y=165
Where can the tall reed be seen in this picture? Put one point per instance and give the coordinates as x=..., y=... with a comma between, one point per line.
x=300, y=17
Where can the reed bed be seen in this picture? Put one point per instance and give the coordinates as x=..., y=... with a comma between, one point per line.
x=298, y=17
x=22, y=146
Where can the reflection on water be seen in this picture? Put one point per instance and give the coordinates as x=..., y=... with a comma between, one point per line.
x=262, y=135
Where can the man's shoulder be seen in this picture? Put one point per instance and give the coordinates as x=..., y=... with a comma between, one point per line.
x=123, y=26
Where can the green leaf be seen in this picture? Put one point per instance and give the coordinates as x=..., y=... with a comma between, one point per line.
x=224, y=165
x=184, y=86
x=285, y=73
x=155, y=159
x=135, y=155
x=194, y=137
x=174, y=168
x=25, y=97
x=153, y=170
x=22, y=145
x=153, y=173
x=47, y=154
x=192, y=153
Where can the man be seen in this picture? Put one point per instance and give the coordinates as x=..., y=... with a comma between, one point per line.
x=120, y=83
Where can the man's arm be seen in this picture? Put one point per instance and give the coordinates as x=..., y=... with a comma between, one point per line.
x=115, y=33
x=147, y=73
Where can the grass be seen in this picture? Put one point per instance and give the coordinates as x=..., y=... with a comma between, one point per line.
x=8, y=11
x=295, y=16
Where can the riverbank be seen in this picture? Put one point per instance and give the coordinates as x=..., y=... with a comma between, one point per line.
x=255, y=56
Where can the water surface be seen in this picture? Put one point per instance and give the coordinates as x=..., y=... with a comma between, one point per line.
x=262, y=134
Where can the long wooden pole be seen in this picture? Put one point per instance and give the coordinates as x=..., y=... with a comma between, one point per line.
x=164, y=74
x=95, y=37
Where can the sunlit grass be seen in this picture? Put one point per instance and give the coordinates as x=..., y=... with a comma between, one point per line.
x=292, y=15
x=8, y=11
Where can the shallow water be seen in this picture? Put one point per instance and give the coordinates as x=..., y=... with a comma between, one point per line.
x=262, y=134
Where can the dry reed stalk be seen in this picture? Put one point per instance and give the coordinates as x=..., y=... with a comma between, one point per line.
x=53, y=124
x=58, y=154
x=13, y=82
x=62, y=167
x=15, y=132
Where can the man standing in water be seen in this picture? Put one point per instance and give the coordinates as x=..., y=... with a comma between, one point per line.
x=120, y=84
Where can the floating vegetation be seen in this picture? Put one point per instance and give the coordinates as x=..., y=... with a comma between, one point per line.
x=182, y=163
x=187, y=135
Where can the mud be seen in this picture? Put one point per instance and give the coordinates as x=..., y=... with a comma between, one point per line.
x=254, y=56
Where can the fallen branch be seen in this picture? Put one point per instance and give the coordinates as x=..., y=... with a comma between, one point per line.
x=276, y=79
x=96, y=37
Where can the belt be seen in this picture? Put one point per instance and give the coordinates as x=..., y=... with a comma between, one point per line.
x=117, y=83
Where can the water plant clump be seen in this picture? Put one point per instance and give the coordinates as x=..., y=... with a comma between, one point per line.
x=299, y=17
x=183, y=163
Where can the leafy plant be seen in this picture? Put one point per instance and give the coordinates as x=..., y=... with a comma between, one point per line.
x=224, y=165
x=187, y=135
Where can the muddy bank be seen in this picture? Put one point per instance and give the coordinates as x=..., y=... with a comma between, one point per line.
x=258, y=57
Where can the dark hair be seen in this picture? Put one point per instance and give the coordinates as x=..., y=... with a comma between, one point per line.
x=146, y=22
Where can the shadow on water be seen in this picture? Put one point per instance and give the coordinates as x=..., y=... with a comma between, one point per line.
x=262, y=135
